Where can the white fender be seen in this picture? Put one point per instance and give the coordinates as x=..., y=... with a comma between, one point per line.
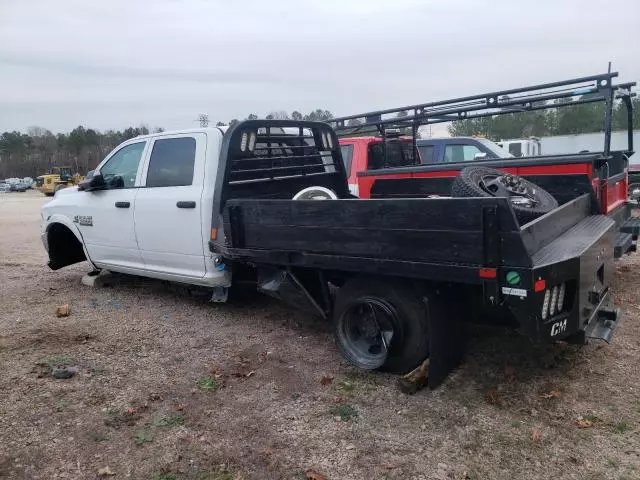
x=66, y=221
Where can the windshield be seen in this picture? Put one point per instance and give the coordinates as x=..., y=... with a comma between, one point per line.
x=494, y=148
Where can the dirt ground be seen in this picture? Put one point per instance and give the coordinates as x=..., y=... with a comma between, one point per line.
x=170, y=387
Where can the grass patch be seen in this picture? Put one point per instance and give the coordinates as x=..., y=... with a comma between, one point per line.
x=141, y=437
x=207, y=384
x=58, y=361
x=356, y=384
x=60, y=406
x=592, y=418
x=100, y=437
x=167, y=476
x=621, y=426
x=611, y=463
x=346, y=387
x=117, y=418
x=170, y=421
x=345, y=412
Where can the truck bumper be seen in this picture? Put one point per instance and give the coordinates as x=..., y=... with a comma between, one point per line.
x=603, y=324
x=571, y=277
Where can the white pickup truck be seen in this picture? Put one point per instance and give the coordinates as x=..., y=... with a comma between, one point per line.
x=150, y=215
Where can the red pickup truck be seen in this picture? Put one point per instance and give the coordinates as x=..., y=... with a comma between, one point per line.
x=373, y=153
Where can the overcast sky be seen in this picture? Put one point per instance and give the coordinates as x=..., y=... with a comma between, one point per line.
x=116, y=63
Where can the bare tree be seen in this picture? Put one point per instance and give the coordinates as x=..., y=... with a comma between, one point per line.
x=278, y=115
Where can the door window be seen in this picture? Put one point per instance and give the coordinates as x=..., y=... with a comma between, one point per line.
x=460, y=153
x=171, y=162
x=427, y=153
x=121, y=169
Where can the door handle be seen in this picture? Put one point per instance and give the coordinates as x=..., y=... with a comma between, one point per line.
x=186, y=204
x=123, y=204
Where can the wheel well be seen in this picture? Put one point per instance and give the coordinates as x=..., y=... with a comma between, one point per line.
x=64, y=247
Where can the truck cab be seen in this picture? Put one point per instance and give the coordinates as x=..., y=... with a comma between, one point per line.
x=373, y=152
x=145, y=211
x=458, y=149
x=522, y=147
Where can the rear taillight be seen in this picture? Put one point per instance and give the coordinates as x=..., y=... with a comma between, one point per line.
x=554, y=300
x=545, y=304
x=561, y=294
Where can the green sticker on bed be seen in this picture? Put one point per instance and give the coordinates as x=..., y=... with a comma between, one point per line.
x=513, y=278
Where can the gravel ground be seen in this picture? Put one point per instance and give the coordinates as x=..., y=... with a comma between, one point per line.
x=171, y=387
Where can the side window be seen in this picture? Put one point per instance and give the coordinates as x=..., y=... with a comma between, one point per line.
x=347, y=157
x=397, y=154
x=121, y=169
x=460, y=153
x=515, y=149
x=427, y=154
x=171, y=162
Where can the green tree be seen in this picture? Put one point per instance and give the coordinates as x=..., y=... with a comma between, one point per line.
x=318, y=115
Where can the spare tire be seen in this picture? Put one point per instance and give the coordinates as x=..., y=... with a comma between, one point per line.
x=527, y=199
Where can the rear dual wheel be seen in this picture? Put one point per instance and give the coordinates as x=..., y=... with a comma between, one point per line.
x=381, y=324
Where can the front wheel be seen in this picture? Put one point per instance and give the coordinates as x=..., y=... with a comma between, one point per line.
x=381, y=324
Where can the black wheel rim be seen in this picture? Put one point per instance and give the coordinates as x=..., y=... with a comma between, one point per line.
x=510, y=186
x=369, y=327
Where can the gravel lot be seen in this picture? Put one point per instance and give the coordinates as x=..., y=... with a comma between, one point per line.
x=171, y=387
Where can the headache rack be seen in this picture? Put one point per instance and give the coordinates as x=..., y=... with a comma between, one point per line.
x=275, y=159
x=259, y=151
x=564, y=93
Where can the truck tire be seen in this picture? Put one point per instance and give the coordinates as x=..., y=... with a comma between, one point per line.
x=470, y=183
x=400, y=318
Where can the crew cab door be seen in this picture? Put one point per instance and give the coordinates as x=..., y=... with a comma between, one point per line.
x=105, y=217
x=168, y=209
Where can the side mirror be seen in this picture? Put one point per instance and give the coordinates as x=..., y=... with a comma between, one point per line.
x=480, y=156
x=96, y=182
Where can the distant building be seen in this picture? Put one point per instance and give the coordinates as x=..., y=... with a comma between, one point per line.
x=593, y=142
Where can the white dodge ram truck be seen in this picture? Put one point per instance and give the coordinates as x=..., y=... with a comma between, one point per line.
x=150, y=215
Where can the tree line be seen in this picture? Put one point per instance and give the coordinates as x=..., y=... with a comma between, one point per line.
x=38, y=150
x=584, y=118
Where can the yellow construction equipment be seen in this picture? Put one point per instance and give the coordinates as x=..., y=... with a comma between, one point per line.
x=61, y=177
